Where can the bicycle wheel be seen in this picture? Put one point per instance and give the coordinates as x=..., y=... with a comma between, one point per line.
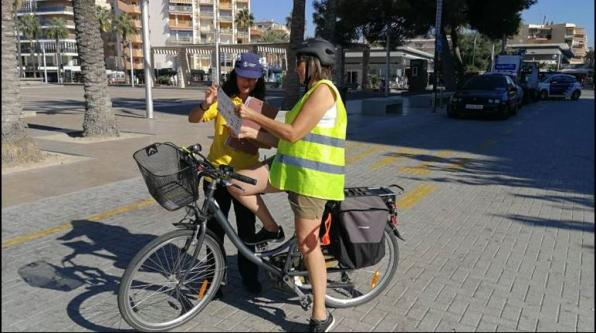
x=164, y=286
x=356, y=287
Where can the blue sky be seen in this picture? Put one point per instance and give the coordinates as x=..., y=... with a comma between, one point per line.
x=580, y=12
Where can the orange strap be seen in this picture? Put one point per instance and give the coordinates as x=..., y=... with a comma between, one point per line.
x=325, y=240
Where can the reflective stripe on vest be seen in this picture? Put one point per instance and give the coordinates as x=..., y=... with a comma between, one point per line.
x=314, y=165
x=308, y=164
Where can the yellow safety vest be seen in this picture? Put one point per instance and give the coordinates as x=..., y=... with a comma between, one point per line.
x=314, y=165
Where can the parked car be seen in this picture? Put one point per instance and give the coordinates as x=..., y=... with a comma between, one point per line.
x=560, y=85
x=485, y=94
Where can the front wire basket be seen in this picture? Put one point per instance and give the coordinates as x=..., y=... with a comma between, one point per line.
x=170, y=178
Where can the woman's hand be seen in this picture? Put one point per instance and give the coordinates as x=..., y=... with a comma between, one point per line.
x=247, y=132
x=245, y=112
x=210, y=96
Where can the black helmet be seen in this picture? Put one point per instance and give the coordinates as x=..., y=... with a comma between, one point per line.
x=319, y=48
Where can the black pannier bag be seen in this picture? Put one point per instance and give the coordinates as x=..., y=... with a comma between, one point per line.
x=356, y=235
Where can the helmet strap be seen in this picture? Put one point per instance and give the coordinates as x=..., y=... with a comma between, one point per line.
x=306, y=74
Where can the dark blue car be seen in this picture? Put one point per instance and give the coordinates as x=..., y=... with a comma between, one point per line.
x=486, y=94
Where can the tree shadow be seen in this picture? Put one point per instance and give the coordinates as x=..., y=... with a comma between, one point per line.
x=550, y=223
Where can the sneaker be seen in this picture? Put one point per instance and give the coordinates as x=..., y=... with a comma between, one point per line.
x=264, y=236
x=253, y=287
x=321, y=325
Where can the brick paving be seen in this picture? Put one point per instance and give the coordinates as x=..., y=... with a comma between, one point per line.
x=501, y=238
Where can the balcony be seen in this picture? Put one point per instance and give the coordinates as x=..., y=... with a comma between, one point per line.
x=180, y=26
x=43, y=10
x=225, y=5
x=206, y=2
x=129, y=8
x=136, y=65
x=181, y=9
x=177, y=41
x=206, y=14
x=208, y=28
x=225, y=18
x=137, y=24
x=181, y=1
x=136, y=38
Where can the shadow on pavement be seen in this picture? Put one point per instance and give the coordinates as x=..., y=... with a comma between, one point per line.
x=542, y=222
x=95, y=307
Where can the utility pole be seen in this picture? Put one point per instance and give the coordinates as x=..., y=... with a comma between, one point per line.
x=216, y=80
x=439, y=13
x=146, y=57
x=132, y=76
x=45, y=67
x=387, y=57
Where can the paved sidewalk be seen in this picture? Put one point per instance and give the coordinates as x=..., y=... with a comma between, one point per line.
x=499, y=230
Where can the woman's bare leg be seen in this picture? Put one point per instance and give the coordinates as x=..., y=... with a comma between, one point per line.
x=307, y=234
x=251, y=196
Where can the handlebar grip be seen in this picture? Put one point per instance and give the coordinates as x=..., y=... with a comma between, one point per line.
x=244, y=179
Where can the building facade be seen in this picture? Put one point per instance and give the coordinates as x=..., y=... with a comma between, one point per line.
x=550, y=34
x=184, y=22
x=259, y=28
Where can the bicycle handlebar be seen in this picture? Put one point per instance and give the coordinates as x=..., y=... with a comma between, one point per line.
x=223, y=172
x=243, y=178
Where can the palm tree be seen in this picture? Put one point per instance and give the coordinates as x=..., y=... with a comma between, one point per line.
x=274, y=36
x=57, y=31
x=99, y=116
x=291, y=84
x=29, y=25
x=244, y=19
x=17, y=145
x=124, y=27
x=105, y=17
x=18, y=34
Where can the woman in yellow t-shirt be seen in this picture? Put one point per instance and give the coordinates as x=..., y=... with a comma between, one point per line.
x=245, y=80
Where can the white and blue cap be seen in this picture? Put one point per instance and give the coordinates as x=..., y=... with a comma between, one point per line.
x=248, y=66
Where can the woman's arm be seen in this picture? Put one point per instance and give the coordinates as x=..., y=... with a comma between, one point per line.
x=263, y=138
x=196, y=114
x=313, y=110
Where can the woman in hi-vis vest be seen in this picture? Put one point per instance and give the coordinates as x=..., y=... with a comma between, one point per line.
x=308, y=165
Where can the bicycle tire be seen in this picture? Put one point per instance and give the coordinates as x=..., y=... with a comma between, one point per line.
x=392, y=252
x=178, y=297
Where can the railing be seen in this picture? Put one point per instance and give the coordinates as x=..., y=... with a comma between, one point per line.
x=181, y=1
x=181, y=9
x=206, y=2
x=54, y=9
x=205, y=14
x=179, y=40
x=225, y=5
x=129, y=8
x=173, y=25
x=225, y=18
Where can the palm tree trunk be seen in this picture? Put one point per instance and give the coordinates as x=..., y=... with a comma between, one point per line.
x=18, y=39
x=99, y=116
x=447, y=66
x=17, y=146
x=291, y=84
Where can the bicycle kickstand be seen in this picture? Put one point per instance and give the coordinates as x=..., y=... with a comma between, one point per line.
x=305, y=300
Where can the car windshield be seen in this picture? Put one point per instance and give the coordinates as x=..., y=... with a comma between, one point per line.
x=485, y=83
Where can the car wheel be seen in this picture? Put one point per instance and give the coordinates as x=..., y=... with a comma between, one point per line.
x=515, y=109
x=575, y=95
x=452, y=113
x=543, y=94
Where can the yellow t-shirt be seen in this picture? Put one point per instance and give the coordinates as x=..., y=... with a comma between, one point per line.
x=220, y=153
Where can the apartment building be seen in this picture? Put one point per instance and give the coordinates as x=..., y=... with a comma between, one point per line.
x=260, y=27
x=182, y=22
x=132, y=48
x=572, y=36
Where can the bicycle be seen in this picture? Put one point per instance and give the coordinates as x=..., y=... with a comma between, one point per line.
x=173, y=278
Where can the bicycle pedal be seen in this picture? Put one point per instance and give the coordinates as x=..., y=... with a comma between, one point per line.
x=261, y=247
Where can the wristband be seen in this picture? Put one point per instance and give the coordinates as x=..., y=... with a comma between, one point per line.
x=202, y=108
